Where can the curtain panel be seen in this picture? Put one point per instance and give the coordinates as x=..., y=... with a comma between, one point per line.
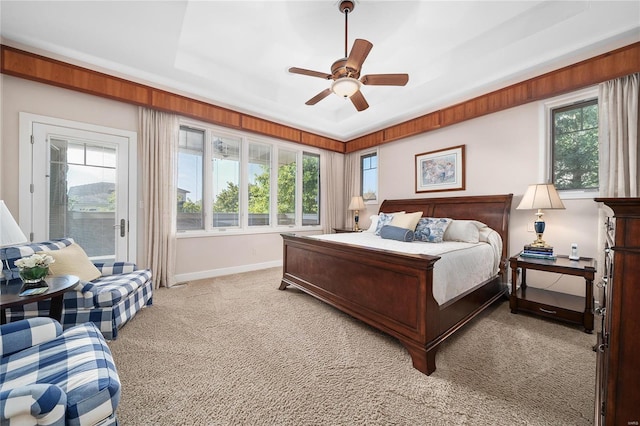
x=618, y=137
x=618, y=151
x=351, y=183
x=158, y=148
x=331, y=178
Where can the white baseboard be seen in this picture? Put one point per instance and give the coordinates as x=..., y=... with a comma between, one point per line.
x=212, y=273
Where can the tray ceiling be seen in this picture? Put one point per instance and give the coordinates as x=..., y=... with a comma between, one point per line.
x=236, y=54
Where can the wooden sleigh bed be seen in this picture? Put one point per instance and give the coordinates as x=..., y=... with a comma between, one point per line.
x=391, y=291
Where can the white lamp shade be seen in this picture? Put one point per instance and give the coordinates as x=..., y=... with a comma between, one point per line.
x=357, y=203
x=10, y=232
x=541, y=196
x=345, y=86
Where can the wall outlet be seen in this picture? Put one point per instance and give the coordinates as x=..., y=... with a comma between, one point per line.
x=530, y=227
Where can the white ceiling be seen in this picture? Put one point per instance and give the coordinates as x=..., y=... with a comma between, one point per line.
x=236, y=54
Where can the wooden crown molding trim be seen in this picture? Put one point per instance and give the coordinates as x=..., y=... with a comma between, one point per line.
x=616, y=63
x=610, y=65
x=30, y=66
x=38, y=68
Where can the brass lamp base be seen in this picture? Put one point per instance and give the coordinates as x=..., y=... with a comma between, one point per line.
x=539, y=226
x=539, y=242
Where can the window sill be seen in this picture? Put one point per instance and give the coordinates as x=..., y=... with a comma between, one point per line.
x=578, y=194
x=240, y=232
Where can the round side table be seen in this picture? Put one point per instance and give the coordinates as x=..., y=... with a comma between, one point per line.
x=57, y=286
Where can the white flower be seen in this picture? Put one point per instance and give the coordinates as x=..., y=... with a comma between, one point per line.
x=40, y=260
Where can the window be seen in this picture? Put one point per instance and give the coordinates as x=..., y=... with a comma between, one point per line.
x=259, y=184
x=249, y=183
x=287, y=173
x=189, y=191
x=310, y=189
x=225, y=181
x=574, y=151
x=369, y=176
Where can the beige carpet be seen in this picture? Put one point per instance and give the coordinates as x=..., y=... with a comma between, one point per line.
x=237, y=351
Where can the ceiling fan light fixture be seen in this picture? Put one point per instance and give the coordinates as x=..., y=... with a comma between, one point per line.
x=345, y=87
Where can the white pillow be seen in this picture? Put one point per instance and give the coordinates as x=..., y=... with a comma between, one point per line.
x=465, y=231
x=406, y=220
x=487, y=233
x=479, y=224
x=374, y=223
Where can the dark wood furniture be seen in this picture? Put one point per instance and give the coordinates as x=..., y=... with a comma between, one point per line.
x=618, y=347
x=391, y=291
x=58, y=285
x=344, y=230
x=553, y=304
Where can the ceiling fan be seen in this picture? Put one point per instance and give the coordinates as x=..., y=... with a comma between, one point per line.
x=345, y=72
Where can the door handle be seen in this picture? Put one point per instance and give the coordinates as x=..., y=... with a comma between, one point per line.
x=122, y=226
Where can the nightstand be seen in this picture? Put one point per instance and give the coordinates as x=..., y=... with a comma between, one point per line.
x=344, y=230
x=553, y=304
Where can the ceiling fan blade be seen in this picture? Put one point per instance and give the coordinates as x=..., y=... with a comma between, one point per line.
x=311, y=73
x=317, y=98
x=385, y=79
x=359, y=101
x=359, y=52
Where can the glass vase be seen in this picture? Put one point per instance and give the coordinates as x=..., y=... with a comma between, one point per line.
x=33, y=275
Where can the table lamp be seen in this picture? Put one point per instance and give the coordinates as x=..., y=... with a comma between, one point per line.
x=540, y=196
x=357, y=203
x=10, y=232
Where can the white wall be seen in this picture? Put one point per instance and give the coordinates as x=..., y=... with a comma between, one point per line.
x=501, y=157
x=19, y=95
x=196, y=257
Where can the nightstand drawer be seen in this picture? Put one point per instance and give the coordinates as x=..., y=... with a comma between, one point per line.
x=550, y=304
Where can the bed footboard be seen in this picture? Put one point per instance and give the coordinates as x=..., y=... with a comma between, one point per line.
x=389, y=291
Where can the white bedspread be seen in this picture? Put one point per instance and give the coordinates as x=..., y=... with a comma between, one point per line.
x=461, y=267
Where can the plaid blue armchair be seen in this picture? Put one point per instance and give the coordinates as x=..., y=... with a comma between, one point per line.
x=50, y=377
x=108, y=301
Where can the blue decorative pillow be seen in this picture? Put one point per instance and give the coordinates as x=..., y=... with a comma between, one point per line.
x=391, y=232
x=431, y=229
x=383, y=219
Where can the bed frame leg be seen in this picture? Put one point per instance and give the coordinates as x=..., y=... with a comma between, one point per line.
x=423, y=360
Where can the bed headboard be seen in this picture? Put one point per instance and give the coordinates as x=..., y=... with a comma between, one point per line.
x=493, y=210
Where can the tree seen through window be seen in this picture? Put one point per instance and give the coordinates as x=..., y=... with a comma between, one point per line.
x=575, y=146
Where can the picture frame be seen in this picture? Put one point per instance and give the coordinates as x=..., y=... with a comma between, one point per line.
x=440, y=170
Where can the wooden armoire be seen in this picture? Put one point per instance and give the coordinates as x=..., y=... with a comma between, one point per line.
x=617, y=400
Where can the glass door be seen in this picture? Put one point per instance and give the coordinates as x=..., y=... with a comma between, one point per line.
x=80, y=189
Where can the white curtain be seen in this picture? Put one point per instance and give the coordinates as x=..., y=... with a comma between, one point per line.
x=331, y=178
x=159, y=133
x=618, y=137
x=351, y=183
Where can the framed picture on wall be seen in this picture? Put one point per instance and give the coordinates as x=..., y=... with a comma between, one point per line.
x=441, y=170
